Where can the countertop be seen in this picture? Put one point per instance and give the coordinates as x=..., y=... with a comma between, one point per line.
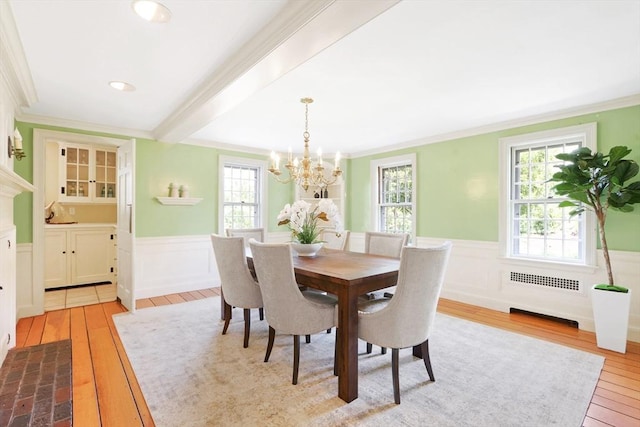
x=80, y=225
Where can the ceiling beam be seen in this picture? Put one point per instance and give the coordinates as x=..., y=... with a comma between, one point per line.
x=299, y=32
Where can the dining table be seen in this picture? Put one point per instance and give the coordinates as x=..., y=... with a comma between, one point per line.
x=348, y=275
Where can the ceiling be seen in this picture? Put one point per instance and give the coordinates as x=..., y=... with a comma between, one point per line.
x=382, y=73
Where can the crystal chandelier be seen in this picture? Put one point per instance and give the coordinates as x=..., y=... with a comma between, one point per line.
x=303, y=172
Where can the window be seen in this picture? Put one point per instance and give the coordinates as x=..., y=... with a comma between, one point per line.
x=533, y=225
x=393, y=195
x=241, y=193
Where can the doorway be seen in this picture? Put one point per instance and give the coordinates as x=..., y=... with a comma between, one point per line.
x=40, y=139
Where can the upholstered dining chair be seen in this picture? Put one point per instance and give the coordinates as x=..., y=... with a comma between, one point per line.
x=287, y=309
x=334, y=239
x=408, y=318
x=246, y=233
x=238, y=286
x=385, y=244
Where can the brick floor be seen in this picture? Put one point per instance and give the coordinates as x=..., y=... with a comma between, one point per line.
x=36, y=387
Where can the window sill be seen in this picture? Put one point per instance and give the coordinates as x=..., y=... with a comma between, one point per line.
x=529, y=262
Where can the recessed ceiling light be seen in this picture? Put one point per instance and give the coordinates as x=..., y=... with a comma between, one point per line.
x=122, y=86
x=151, y=11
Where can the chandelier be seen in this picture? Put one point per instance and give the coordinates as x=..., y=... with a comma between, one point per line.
x=303, y=172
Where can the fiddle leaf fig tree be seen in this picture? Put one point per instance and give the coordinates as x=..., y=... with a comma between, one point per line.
x=598, y=181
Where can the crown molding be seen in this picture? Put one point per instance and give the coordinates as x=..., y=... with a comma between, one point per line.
x=301, y=30
x=614, y=104
x=84, y=126
x=13, y=63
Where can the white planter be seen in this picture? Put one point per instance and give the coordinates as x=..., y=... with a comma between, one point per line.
x=611, y=317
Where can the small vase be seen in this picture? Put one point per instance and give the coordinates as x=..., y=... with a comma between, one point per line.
x=306, y=249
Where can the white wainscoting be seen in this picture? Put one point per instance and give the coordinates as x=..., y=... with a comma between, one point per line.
x=478, y=275
x=27, y=301
x=167, y=265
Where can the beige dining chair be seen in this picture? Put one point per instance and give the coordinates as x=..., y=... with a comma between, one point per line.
x=385, y=244
x=287, y=309
x=407, y=319
x=334, y=239
x=238, y=286
x=246, y=233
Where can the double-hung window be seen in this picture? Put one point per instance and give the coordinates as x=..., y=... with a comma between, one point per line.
x=533, y=226
x=393, y=196
x=242, y=193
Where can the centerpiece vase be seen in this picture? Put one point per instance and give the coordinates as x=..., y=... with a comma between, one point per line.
x=306, y=249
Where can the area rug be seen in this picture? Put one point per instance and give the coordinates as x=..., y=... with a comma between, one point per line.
x=191, y=375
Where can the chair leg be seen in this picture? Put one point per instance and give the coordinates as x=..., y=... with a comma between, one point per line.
x=227, y=317
x=247, y=326
x=272, y=336
x=307, y=338
x=383, y=350
x=261, y=311
x=394, y=374
x=329, y=330
x=296, y=358
x=427, y=359
x=335, y=355
x=369, y=348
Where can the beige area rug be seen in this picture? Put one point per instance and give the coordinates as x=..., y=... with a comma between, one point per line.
x=191, y=375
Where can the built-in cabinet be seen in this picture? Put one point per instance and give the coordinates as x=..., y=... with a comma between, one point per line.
x=79, y=254
x=87, y=174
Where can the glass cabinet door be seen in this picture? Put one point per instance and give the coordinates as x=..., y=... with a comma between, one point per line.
x=105, y=181
x=77, y=165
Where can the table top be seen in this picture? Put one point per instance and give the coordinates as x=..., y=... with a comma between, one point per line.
x=333, y=267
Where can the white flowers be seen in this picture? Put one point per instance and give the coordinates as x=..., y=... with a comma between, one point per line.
x=303, y=218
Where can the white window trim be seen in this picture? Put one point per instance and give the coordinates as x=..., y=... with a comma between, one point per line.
x=586, y=132
x=390, y=162
x=242, y=161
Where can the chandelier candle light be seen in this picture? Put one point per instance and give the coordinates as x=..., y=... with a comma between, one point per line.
x=302, y=172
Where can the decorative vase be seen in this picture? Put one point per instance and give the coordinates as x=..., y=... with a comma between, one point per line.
x=306, y=249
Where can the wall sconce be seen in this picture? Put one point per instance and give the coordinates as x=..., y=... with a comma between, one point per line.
x=16, y=149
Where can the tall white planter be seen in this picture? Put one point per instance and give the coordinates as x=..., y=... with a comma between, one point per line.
x=611, y=316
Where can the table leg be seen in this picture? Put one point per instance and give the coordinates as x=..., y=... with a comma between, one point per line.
x=347, y=346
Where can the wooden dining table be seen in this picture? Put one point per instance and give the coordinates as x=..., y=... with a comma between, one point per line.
x=346, y=275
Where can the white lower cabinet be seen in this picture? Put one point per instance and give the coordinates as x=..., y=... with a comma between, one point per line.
x=75, y=256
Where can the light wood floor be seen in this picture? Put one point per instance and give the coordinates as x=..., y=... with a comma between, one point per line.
x=106, y=392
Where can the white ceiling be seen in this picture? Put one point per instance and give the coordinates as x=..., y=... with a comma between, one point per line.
x=233, y=72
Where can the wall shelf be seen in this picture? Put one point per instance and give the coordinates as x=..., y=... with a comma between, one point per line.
x=179, y=201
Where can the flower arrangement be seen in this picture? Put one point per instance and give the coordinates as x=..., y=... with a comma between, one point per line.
x=302, y=219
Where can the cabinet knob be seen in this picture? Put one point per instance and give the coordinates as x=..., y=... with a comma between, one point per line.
x=73, y=252
x=64, y=252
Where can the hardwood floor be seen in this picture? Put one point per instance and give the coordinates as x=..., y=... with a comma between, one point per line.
x=106, y=392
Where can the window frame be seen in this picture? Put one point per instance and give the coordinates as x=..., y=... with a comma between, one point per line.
x=587, y=135
x=243, y=162
x=378, y=164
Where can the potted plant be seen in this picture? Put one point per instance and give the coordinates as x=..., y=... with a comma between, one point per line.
x=302, y=218
x=597, y=181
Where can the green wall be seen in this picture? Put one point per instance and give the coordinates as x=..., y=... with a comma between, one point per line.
x=457, y=184
x=458, y=181
x=158, y=164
